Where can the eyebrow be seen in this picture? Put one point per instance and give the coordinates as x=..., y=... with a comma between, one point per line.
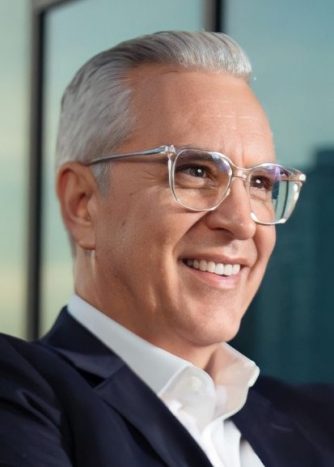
x=201, y=148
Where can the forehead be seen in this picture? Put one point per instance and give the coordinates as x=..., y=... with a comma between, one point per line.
x=211, y=110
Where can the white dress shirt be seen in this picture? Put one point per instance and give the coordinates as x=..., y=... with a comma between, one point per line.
x=201, y=400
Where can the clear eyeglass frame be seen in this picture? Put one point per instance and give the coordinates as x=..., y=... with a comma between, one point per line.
x=173, y=153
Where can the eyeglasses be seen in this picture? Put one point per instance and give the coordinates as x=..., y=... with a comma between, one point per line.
x=201, y=180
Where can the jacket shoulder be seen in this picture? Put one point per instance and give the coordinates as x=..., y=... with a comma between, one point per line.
x=33, y=430
x=29, y=363
x=319, y=395
x=310, y=406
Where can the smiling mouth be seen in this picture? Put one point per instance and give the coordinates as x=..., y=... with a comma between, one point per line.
x=219, y=269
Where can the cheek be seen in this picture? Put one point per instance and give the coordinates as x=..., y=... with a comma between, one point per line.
x=265, y=242
x=143, y=231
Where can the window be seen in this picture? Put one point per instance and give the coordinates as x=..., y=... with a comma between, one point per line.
x=14, y=97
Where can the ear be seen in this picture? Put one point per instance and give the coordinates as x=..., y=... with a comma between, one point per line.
x=77, y=192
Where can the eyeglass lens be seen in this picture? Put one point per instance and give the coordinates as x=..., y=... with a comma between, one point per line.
x=202, y=179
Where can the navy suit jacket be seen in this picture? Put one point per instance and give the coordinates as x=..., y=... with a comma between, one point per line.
x=67, y=400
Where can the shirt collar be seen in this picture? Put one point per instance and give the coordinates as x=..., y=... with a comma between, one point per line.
x=152, y=364
x=229, y=372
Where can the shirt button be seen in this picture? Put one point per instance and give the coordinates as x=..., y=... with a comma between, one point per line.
x=195, y=383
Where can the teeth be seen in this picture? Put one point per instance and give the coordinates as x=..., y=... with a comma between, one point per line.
x=235, y=269
x=228, y=269
x=211, y=266
x=216, y=268
x=202, y=265
x=220, y=269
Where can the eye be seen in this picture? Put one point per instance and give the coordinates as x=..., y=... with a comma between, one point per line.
x=262, y=182
x=199, y=169
x=194, y=171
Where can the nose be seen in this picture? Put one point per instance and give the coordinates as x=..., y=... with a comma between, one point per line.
x=234, y=213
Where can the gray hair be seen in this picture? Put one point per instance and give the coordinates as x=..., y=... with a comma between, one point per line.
x=95, y=114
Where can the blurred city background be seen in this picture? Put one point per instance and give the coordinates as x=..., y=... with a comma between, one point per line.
x=288, y=329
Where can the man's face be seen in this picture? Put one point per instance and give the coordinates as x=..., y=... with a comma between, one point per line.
x=145, y=241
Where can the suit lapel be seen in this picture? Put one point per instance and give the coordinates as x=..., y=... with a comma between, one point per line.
x=273, y=435
x=121, y=389
x=138, y=404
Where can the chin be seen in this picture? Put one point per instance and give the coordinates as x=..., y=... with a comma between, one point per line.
x=221, y=335
x=213, y=332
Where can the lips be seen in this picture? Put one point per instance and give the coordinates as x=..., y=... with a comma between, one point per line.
x=219, y=269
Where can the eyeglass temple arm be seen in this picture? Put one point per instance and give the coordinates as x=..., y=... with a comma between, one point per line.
x=147, y=152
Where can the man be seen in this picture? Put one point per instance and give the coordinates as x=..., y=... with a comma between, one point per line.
x=170, y=195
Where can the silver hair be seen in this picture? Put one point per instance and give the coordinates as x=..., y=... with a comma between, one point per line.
x=96, y=114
